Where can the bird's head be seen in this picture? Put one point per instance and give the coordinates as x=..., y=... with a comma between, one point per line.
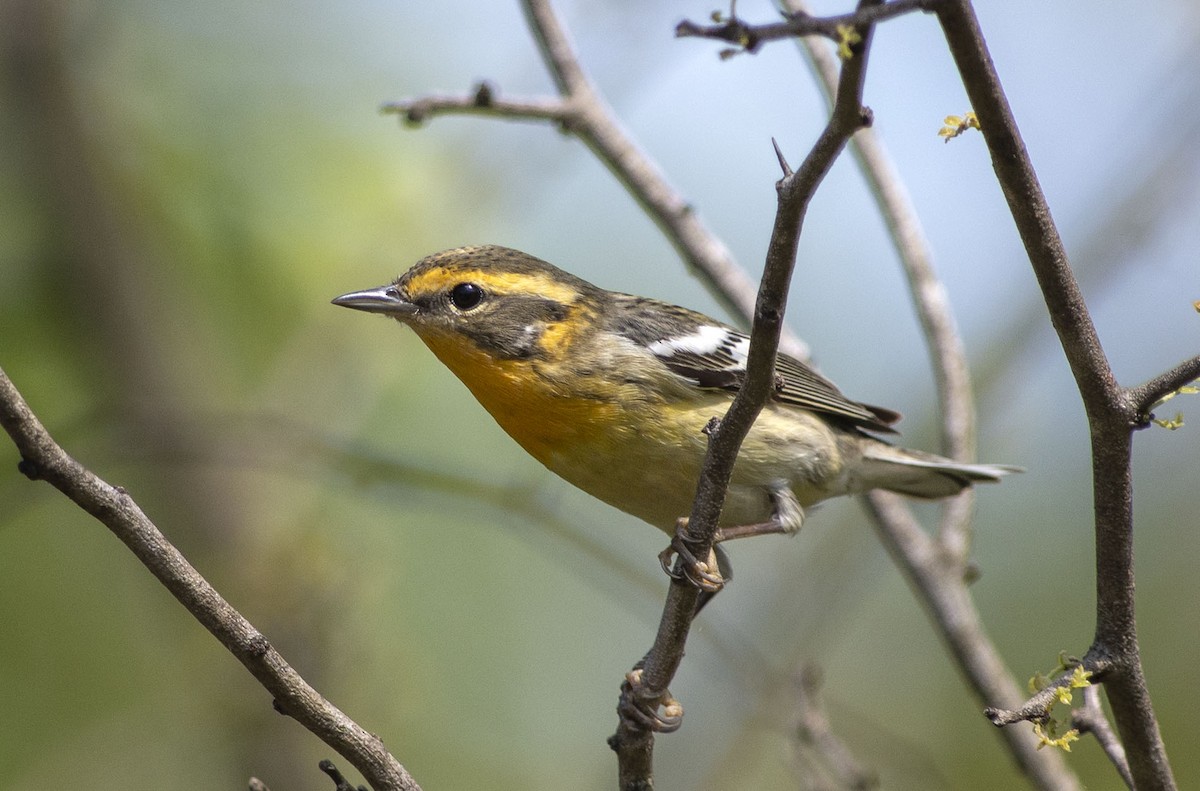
x=504, y=302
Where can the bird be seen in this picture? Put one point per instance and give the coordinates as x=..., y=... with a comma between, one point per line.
x=612, y=392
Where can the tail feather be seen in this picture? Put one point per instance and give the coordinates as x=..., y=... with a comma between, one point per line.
x=925, y=475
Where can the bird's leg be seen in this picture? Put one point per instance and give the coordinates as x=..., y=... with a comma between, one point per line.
x=787, y=516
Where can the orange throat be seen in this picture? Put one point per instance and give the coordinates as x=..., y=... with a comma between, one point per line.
x=530, y=408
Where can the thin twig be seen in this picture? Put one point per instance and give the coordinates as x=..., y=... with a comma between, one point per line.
x=814, y=732
x=43, y=459
x=751, y=37
x=1037, y=707
x=633, y=742
x=1089, y=718
x=482, y=101
x=1144, y=397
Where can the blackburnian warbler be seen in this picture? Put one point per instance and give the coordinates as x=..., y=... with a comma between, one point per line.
x=612, y=392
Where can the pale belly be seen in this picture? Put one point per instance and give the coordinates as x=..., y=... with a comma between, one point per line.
x=657, y=483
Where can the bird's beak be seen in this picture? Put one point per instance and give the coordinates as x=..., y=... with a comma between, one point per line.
x=385, y=299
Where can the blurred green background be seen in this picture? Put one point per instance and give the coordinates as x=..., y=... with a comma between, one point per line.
x=183, y=187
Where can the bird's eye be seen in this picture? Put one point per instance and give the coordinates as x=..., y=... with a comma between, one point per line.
x=465, y=296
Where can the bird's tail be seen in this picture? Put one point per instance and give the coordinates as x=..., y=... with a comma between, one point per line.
x=924, y=475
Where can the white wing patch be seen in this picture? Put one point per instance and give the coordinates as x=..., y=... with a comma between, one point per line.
x=706, y=342
x=709, y=356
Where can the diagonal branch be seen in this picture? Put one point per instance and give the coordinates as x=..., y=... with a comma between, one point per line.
x=633, y=741
x=1089, y=718
x=582, y=111
x=815, y=734
x=43, y=459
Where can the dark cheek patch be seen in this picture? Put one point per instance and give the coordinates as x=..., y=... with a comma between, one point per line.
x=517, y=327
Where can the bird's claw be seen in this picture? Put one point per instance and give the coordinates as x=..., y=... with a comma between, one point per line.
x=656, y=711
x=704, y=575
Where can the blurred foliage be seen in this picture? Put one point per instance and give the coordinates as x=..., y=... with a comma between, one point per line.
x=184, y=187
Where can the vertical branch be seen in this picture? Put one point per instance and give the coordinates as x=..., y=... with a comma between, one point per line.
x=1112, y=413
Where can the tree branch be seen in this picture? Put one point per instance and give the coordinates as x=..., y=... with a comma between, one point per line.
x=482, y=101
x=43, y=459
x=1089, y=718
x=1145, y=397
x=1037, y=707
x=798, y=24
x=937, y=569
x=581, y=110
x=633, y=742
x=1110, y=411
x=813, y=731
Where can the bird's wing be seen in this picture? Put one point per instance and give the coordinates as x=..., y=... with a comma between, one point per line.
x=710, y=354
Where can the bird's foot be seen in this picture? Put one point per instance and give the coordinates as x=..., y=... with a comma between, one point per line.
x=654, y=710
x=704, y=574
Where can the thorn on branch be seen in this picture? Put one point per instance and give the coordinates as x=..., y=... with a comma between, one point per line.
x=783, y=163
x=485, y=93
